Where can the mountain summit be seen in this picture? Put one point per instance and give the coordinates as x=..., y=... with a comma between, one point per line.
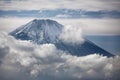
x=39, y=31
x=48, y=31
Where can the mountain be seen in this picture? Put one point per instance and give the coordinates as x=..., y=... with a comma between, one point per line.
x=47, y=31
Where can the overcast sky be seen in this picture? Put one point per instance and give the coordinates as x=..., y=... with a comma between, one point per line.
x=98, y=17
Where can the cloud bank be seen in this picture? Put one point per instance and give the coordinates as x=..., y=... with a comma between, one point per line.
x=28, y=61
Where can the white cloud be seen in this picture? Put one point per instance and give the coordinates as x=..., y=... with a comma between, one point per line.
x=95, y=26
x=53, y=4
x=72, y=34
x=27, y=61
x=11, y=23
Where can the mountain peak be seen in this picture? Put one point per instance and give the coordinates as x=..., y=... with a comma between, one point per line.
x=39, y=31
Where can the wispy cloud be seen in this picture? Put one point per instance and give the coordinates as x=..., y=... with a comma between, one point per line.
x=72, y=34
x=53, y=4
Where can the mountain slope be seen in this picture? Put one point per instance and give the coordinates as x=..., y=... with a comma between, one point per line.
x=48, y=31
